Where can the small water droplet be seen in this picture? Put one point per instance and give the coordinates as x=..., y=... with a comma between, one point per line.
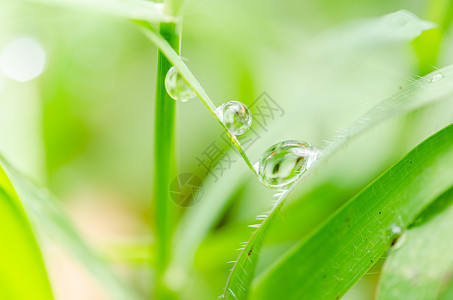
x=437, y=77
x=236, y=116
x=177, y=87
x=395, y=229
x=284, y=162
x=396, y=236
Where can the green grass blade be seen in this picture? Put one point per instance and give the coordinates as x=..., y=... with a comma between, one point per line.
x=173, y=7
x=23, y=275
x=164, y=159
x=330, y=261
x=177, y=62
x=359, y=126
x=428, y=46
x=129, y=9
x=418, y=267
x=47, y=216
x=416, y=95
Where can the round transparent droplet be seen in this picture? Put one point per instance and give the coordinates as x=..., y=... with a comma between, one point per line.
x=284, y=162
x=236, y=116
x=437, y=77
x=177, y=87
x=397, y=236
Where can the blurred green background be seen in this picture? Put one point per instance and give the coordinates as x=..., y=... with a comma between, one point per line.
x=83, y=123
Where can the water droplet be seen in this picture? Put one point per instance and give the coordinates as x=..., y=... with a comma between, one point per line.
x=284, y=162
x=236, y=116
x=395, y=229
x=396, y=236
x=177, y=87
x=437, y=77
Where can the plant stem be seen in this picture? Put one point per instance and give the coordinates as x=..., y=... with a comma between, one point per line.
x=164, y=160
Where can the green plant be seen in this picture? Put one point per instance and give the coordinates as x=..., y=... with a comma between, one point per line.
x=320, y=236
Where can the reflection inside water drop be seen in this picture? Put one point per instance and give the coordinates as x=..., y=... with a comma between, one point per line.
x=177, y=87
x=236, y=116
x=284, y=162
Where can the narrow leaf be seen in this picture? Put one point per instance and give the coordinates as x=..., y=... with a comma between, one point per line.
x=331, y=260
x=418, y=94
x=418, y=268
x=129, y=9
x=22, y=272
x=47, y=216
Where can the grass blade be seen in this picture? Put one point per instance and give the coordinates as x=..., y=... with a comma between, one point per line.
x=177, y=62
x=164, y=159
x=130, y=9
x=47, y=216
x=20, y=258
x=413, y=30
x=428, y=46
x=329, y=262
x=418, y=268
x=416, y=95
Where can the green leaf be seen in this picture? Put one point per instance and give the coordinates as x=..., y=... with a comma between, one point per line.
x=22, y=272
x=173, y=7
x=165, y=210
x=129, y=9
x=185, y=72
x=428, y=45
x=423, y=260
x=399, y=26
x=416, y=95
x=46, y=215
x=402, y=24
x=332, y=259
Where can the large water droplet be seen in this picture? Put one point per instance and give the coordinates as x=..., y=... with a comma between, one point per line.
x=177, y=87
x=284, y=162
x=236, y=116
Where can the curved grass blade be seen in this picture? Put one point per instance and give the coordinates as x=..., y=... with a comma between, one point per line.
x=20, y=258
x=331, y=260
x=418, y=268
x=177, y=62
x=129, y=9
x=422, y=92
x=173, y=7
x=46, y=214
x=409, y=26
x=362, y=124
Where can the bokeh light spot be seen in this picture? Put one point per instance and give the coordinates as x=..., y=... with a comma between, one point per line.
x=22, y=59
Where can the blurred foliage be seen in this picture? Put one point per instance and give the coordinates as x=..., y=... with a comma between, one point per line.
x=20, y=259
x=85, y=126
